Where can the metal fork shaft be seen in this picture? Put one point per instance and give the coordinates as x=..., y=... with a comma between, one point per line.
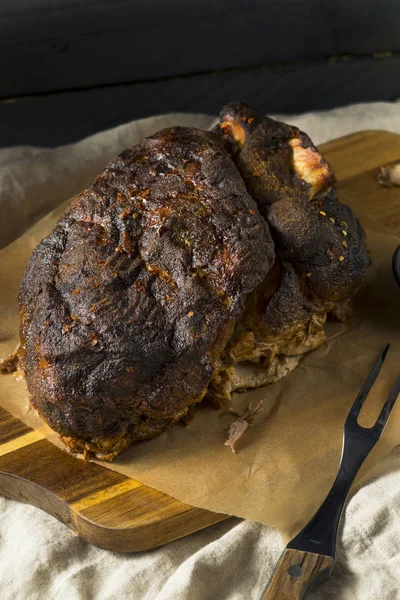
x=367, y=385
x=319, y=535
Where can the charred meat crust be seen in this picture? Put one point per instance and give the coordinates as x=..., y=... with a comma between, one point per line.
x=276, y=160
x=128, y=304
x=321, y=258
x=196, y=263
x=320, y=237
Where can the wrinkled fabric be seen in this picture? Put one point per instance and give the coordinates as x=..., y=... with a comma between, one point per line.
x=41, y=559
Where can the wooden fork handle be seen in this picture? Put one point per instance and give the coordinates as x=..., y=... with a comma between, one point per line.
x=295, y=574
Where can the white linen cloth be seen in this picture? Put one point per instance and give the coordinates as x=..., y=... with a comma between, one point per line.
x=41, y=559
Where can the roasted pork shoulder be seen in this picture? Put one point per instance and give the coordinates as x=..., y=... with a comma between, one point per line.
x=321, y=258
x=197, y=263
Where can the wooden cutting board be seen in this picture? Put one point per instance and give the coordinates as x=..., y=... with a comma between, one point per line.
x=118, y=513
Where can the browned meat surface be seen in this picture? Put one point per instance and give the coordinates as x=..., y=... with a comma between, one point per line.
x=197, y=263
x=321, y=258
x=128, y=304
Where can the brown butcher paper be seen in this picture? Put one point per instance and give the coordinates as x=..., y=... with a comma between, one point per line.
x=287, y=460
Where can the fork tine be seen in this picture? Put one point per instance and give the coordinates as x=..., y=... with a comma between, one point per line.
x=367, y=385
x=388, y=406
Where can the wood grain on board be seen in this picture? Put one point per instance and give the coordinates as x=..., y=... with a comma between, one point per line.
x=118, y=513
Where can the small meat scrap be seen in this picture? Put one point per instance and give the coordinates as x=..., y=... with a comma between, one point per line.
x=238, y=427
x=236, y=430
x=9, y=364
x=389, y=175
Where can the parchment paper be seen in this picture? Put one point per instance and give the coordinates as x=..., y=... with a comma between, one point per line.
x=288, y=459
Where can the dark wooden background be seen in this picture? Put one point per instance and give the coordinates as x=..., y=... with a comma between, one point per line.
x=70, y=68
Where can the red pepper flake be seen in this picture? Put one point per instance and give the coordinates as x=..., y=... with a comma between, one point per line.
x=330, y=254
x=129, y=369
x=67, y=328
x=140, y=286
x=123, y=214
x=250, y=119
x=252, y=212
x=96, y=284
x=127, y=242
x=74, y=317
x=76, y=291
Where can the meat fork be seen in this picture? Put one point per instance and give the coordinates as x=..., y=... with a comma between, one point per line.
x=309, y=558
